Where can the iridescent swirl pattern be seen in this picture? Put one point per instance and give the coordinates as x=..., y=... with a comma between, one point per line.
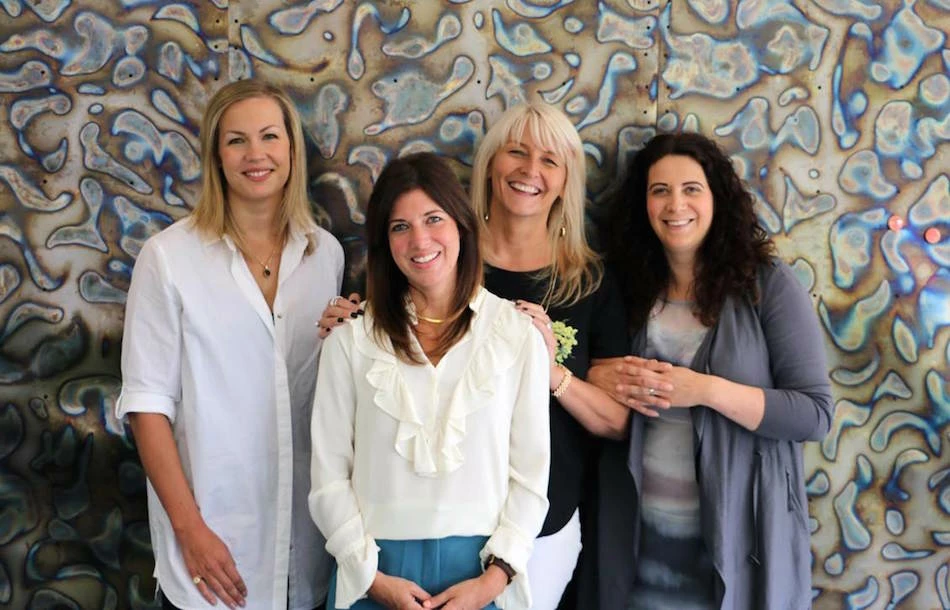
x=836, y=112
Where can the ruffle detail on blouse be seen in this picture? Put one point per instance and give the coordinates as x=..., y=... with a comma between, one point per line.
x=436, y=451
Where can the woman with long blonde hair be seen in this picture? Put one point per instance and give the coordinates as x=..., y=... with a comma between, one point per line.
x=528, y=191
x=218, y=365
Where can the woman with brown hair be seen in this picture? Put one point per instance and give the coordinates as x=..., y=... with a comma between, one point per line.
x=704, y=506
x=430, y=421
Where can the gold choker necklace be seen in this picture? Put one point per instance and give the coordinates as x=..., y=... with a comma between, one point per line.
x=430, y=320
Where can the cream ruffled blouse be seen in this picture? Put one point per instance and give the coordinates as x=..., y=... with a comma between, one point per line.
x=407, y=452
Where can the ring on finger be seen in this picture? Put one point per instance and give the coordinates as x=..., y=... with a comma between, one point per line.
x=196, y=580
x=334, y=301
x=550, y=324
x=651, y=391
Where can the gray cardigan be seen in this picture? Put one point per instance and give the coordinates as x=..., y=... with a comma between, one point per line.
x=752, y=489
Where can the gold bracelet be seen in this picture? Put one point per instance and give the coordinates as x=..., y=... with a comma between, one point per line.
x=565, y=381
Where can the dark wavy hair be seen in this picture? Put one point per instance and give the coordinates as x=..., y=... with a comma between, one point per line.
x=386, y=286
x=729, y=256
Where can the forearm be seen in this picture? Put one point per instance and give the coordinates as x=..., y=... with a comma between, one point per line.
x=770, y=412
x=604, y=374
x=743, y=404
x=333, y=502
x=591, y=406
x=491, y=584
x=496, y=579
x=529, y=463
x=159, y=455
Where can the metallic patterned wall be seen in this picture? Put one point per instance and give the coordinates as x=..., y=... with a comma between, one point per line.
x=837, y=113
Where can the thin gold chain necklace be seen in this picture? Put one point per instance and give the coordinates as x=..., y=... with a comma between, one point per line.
x=265, y=264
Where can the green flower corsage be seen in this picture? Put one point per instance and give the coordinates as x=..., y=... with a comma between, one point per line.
x=566, y=340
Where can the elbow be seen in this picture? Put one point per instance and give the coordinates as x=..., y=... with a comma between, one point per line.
x=825, y=410
x=815, y=435
x=820, y=430
x=800, y=415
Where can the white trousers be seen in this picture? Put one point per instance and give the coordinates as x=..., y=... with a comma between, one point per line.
x=552, y=564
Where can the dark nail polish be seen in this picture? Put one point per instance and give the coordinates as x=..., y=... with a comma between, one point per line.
x=339, y=320
x=354, y=315
x=354, y=301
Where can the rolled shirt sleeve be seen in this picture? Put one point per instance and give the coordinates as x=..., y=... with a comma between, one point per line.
x=526, y=505
x=800, y=406
x=332, y=501
x=151, y=347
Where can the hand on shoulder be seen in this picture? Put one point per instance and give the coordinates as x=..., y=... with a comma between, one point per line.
x=337, y=311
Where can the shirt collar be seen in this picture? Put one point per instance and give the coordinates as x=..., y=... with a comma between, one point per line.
x=295, y=238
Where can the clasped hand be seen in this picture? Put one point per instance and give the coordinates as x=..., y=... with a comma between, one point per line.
x=472, y=594
x=648, y=385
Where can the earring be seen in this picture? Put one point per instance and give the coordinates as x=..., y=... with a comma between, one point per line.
x=486, y=216
x=563, y=231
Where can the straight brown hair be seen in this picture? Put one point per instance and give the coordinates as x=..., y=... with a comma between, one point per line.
x=387, y=289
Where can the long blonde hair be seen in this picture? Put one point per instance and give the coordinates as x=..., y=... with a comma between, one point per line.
x=212, y=214
x=576, y=270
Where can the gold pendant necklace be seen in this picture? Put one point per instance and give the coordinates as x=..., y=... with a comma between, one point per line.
x=265, y=264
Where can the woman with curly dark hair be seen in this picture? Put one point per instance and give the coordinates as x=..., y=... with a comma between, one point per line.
x=704, y=506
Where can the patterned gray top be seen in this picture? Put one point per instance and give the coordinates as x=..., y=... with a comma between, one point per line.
x=674, y=570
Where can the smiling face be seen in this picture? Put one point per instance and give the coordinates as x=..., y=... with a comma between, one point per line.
x=679, y=205
x=424, y=242
x=526, y=179
x=254, y=149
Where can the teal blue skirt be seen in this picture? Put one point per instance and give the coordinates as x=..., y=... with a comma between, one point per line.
x=433, y=564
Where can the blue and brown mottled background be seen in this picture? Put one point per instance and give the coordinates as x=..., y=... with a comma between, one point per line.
x=837, y=113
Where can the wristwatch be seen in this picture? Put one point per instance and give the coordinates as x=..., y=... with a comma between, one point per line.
x=501, y=563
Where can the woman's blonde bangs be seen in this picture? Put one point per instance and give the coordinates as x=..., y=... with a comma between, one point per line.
x=576, y=267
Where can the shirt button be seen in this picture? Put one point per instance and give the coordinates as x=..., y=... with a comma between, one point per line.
x=280, y=316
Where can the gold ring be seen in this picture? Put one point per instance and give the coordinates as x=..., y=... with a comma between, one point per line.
x=196, y=580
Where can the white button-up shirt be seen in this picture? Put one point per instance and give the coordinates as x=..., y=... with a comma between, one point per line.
x=202, y=347
x=405, y=452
